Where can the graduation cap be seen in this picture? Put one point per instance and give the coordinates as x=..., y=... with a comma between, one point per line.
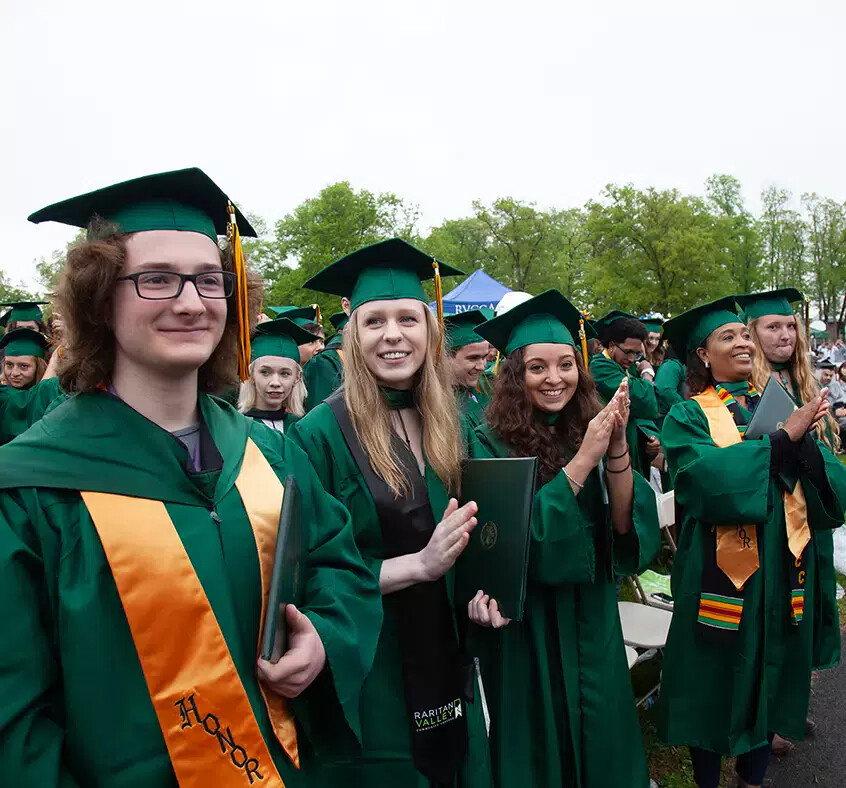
x=612, y=317
x=25, y=342
x=460, y=328
x=690, y=329
x=280, y=337
x=653, y=324
x=21, y=310
x=186, y=200
x=339, y=320
x=548, y=317
x=383, y=271
x=824, y=364
x=771, y=302
x=301, y=315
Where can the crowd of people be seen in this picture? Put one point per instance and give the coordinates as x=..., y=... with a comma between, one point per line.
x=150, y=433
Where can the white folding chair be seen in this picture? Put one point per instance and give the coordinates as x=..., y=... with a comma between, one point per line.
x=644, y=627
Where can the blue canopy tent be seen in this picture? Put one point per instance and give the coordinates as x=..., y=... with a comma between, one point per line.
x=477, y=290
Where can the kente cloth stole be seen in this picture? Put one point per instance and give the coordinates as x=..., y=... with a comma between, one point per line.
x=737, y=545
x=209, y=728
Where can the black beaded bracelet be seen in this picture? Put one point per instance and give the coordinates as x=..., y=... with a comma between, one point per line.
x=618, y=456
x=622, y=470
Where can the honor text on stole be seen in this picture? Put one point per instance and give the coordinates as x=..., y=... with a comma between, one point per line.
x=212, y=726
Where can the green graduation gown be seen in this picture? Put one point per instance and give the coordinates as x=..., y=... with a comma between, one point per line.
x=727, y=697
x=288, y=420
x=557, y=682
x=608, y=374
x=74, y=707
x=669, y=384
x=385, y=759
x=324, y=373
x=21, y=408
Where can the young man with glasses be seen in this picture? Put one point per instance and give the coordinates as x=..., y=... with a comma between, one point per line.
x=623, y=336
x=138, y=523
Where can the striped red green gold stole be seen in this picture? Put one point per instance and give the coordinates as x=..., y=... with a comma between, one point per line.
x=209, y=728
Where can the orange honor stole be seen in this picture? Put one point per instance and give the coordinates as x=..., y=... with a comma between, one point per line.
x=737, y=545
x=211, y=733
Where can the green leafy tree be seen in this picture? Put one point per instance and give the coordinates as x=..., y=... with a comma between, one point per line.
x=653, y=250
x=826, y=234
x=49, y=269
x=321, y=229
x=736, y=231
x=10, y=292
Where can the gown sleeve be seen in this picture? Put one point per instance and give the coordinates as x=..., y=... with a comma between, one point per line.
x=342, y=598
x=608, y=375
x=31, y=734
x=668, y=379
x=827, y=497
x=321, y=378
x=717, y=486
x=634, y=551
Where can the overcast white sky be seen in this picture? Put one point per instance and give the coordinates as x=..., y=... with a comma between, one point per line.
x=440, y=102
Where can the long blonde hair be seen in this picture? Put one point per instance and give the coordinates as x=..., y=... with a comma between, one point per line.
x=436, y=403
x=799, y=369
x=294, y=404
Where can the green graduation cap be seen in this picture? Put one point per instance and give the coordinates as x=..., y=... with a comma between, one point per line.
x=548, y=317
x=460, y=328
x=339, y=320
x=690, y=329
x=301, y=315
x=25, y=342
x=772, y=302
x=384, y=271
x=179, y=200
x=280, y=337
x=654, y=324
x=22, y=310
x=612, y=317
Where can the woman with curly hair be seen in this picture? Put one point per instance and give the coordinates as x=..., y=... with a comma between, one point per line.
x=388, y=446
x=138, y=522
x=562, y=671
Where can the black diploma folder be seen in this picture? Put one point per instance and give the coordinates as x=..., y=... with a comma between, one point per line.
x=286, y=580
x=772, y=410
x=497, y=555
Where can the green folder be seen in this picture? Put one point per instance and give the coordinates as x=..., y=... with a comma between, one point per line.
x=772, y=410
x=287, y=578
x=497, y=555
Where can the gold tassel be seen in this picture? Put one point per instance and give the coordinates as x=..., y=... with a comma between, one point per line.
x=583, y=340
x=439, y=301
x=496, y=364
x=242, y=306
x=318, y=317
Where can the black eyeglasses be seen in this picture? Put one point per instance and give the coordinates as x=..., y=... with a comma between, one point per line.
x=161, y=285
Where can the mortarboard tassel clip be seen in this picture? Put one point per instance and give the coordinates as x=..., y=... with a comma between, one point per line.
x=439, y=301
x=583, y=340
x=241, y=302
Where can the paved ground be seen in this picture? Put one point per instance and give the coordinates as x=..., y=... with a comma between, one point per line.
x=820, y=760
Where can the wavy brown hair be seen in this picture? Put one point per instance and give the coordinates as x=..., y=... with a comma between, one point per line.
x=801, y=374
x=85, y=299
x=523, y=427
x=435, y=401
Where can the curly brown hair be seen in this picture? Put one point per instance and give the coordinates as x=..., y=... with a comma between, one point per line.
x=523, y=428
x=85, y=299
